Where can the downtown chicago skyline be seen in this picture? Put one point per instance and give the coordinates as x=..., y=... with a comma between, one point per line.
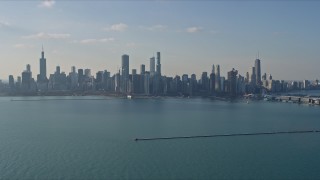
x=147, y=83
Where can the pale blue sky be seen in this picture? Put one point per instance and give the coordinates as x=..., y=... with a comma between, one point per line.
x=190, y=35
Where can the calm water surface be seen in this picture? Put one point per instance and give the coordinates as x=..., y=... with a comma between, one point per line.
x=94, y=139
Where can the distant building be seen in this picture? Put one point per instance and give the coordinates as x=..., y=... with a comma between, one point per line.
x=11, y=83
x=204, y=83
x=152, y=66
x=212, y=82
x=26, y=79
x=158, y=64
x=43, y=68
x=147, y=83
x=124, y=74
x=258, y=71
x=142, y=69
x=253, y=77
x=217, y=81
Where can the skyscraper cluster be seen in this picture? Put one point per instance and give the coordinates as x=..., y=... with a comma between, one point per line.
x=151, y=82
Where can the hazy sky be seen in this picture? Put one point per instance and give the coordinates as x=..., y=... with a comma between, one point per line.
x=190, y=35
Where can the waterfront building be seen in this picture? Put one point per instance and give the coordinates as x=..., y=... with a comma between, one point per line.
x=117, y=81
x=232, y=83
x=212, y=82
x=106, y=81
x=147, y=83
x=158, y=64
x=80, y=79
x=29, y=68
x=134, y=82
x=124, y=74
x=99, y=80
x=213, y=69
x=87, y=73
x=217, y=81
x=306, y=84
x=152, y=66
x=247, y=80
x=58, y=80
x=43, y=68
x=42, y=80
x=241, y=85
x=142, y=73
x=73, y=75
x=258, y=71
x=204, y=83
x=185, y=84
x=11, y=83
x=253, y=76
x=26, y=79
x=142, y=69
x=193, y=84
x=222, y=84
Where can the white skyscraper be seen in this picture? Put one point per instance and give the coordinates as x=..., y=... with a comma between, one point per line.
x=152, y=66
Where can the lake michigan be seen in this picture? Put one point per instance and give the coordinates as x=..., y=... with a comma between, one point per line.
x=93, y=138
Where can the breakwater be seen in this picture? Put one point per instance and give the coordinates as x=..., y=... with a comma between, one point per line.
x=228, y=135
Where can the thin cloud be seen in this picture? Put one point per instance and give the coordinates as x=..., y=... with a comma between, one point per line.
x=194, y=29
x=43, y=35
x=94, y=41
x=22, y=46
x=4, y=24
x=158, y=27
x=47, y=4
x=117, y=27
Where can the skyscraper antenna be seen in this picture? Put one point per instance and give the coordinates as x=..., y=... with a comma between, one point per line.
x=42, y=47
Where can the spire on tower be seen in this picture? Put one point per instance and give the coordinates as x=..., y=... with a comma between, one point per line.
x=42, y=53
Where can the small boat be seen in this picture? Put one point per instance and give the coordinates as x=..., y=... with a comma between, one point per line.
x=129, y=97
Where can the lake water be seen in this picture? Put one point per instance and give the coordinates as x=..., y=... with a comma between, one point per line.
x=94, y=139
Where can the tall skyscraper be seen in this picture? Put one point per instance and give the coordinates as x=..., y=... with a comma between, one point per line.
x=212, y=82
x=158, y=64
x=257, y=66
x=247, y=78
x=205, y=82
x=43, y=67
x=218, y=87
x=142, y=73
x=11, y=82
x=253, y=77
x=26, y=79
x=73, y=69
x=28, y=68
x=124, y=73
x=142, y=69
x=213, y=69
x=80, y=78
x=152, y=66
x=232, y=82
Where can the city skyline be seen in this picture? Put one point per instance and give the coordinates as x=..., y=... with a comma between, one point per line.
x=201, y=34
x=151, y=82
